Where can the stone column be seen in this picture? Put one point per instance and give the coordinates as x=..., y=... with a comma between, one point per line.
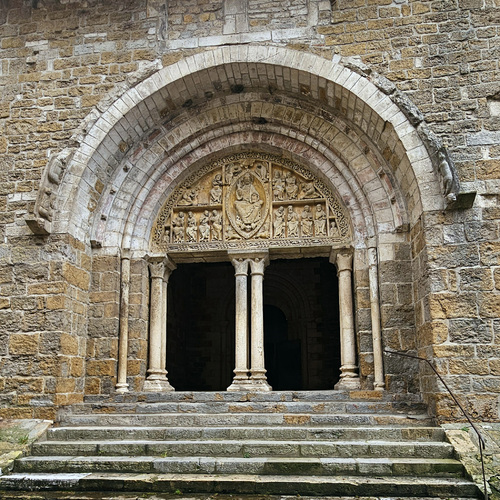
x=349, y=378
x=241, y=379
x=378, y=363
x=258, y=372
x=121, y=382
x=169, y=267
x=156, y=380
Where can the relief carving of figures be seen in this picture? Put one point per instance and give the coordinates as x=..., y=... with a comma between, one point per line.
x=292, y=223
x=205, y=226
x=216, y=221
x=243, y=197
x=334, y=228
x=319, y=221
x=278, y=186
x=248, y=203
x=232, y=171
x=191, y=229
x=306, y=221
x=55, y=172
x=308, y=191
x=261, y=170
x=291, y=187
x=279, y=223
x=216, y=191
x=188, y=197
x=178, y=227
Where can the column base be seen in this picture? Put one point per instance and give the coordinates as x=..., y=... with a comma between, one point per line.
x=121, y=388
x=157, y=385
x=348, y=383
x=259, y=382
x=241, y=385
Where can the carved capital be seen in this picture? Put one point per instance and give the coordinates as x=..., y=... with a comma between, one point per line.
x=258, y=263
x=240, y=266
x=156, y=266
x=344, y=261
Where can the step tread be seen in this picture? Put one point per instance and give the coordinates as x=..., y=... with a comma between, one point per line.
x=153, y=458
x=238, y=477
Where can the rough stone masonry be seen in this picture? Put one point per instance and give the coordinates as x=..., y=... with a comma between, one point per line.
x=105, y=107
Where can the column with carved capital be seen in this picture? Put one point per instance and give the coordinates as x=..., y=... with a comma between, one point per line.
x=378, y=363
x=121, y=382
x=258, y=372
x=169, y=267
x=349, y=378
x=241, y=380
x=156, y=380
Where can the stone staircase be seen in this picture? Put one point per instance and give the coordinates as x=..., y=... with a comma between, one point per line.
x=327, y=443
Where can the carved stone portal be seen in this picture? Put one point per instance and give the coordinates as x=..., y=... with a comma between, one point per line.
x=250, y=200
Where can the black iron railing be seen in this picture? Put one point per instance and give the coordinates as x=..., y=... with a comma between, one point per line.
x=482, y=443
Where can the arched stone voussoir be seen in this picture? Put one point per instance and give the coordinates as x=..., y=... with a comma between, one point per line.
x=135, y=113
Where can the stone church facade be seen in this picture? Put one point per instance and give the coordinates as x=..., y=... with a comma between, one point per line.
x=224, y=195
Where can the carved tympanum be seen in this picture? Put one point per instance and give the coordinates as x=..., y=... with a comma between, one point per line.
x=252, y=200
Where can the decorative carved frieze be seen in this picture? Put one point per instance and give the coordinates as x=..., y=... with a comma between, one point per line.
x=250, y=200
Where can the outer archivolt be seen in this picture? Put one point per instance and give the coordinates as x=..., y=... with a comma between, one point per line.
x=250, y=200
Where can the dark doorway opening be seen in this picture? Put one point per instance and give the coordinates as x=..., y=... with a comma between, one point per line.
x=301, y=325
x=282, y=354
x=200, y=327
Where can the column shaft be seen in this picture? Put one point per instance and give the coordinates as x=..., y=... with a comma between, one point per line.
x=258, y=371
x=156, y=380
x=349, y=378
x=240, y=381
x=378, y=364
x=121, y=382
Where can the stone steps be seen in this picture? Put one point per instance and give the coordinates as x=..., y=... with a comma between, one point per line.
x=239, y=448
x=244, y=419
x=433, y=487
x=326, y=444
x=302, y=466
x=304, y=432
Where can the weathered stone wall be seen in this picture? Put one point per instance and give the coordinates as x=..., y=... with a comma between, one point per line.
x=59, y=59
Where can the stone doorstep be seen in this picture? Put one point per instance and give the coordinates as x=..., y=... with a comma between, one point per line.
x=246, y=484
x=303, y=466
x=223, y=396
x=315, y=407
x=421, y=434
x=89, y=495
x=237, y=448
x=245, y=419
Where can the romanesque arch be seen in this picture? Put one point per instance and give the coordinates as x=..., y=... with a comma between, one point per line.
x=343, y=128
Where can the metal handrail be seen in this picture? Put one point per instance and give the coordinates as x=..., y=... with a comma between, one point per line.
x=482, y=443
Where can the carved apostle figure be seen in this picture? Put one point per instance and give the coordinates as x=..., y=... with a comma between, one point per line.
x=279, y=223
x=216, y=221
x=178, y=227
x=205, y=226
x=306, y=221
x=191, y=228
x=248, y=203
x=278, y=186
x=291, y=187
x=292, y=223
x=334, y=228
x=319, y=221
x=216, y=191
